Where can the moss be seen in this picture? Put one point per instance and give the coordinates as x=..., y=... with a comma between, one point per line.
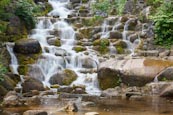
x=101, y=42
x=79, y=48
x=108, y=78
x=120, y=50
x=23, y=69
x=70, y=76
x=3, y=26
x=57, y=42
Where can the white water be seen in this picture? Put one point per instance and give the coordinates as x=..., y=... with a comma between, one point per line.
x=55, y=59
x=14, y=63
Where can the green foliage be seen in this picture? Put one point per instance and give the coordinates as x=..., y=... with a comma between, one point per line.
x=3, y=69
x=106, y=6
x=119, y=6
x=154, y=3
x=164, y=24
x=24, y=10
x=103, y=46
x=103, y=6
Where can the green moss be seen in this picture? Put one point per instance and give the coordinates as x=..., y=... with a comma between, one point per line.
x=70, y=76
x=57, y=42
x=119, y=49
x=23, y=69
x=79, y=48
x=99, y=42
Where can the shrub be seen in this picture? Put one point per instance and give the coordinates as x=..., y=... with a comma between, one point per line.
x=24, y=10
x=164, y=24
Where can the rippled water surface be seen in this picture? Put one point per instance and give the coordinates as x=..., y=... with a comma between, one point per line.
x=147, y=106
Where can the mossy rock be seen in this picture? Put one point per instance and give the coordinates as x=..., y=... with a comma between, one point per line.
x=23, y=69
x=100, y=42
x=57, y=42
x=120, y=50
x=79, y=48
x=70, y=76
x=108, y=78
x=65, y=77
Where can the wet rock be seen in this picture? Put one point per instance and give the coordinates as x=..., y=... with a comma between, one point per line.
x=120, y=43
x=111, y=92
x=32, y=93
x=79, y=48
x=11, y=99
x=36, y=72
x=166, y=75
x=133, y=72
x=108, y=78
x=123, y=19
x=35, y=100
x=66, y=89
x=133, y=37
x=115, y=35
x=35, y=112
x=100, y=42
x=92, y=113
x=27, y=46
x=131, y=24
x=54, y=41
x=32, y=84
x=88, y=62
x=154, y=53
x=167, y=92
x=65, y=77
x=88, y=104
x=164, y=54
x=71, y=107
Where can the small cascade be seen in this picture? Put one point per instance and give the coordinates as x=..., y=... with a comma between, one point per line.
x=55, y=59
x=131, y=46
x=105, y=29
x=14, y=63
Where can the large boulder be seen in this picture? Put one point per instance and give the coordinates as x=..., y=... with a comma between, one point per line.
x=166, y=75
x=167, y=92
x=32, y=84
x=27, y=46
x=133, y=72
x=116, y=35
x=65, y=77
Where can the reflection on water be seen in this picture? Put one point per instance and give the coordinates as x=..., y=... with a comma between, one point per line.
x=147, y=106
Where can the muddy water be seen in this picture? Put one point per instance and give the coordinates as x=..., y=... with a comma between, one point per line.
x=143, y=106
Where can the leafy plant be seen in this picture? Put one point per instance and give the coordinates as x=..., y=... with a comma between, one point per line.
x=24, y=10
x=119, y=6
x=164, y=24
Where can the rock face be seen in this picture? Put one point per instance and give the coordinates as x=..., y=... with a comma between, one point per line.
x=32, y=84
x=27, y=46
x=167, y=92
x=133, y=72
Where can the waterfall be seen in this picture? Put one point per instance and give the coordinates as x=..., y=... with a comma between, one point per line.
x=14, y=63
x=55, y=58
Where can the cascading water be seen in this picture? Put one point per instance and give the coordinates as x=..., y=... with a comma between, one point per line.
x=56, y=59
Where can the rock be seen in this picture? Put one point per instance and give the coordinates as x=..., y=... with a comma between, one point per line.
x=100, y=42
x=54, y=41
x=133, y=37
x=36, y=72
x=27, y=46
x=65, y=89
x=123, y=19
x=91, y=113
x=11, y=99
x=35, y=100
x=167, y=92
x=71, y=107
x=120, y=43
x=79, y=48
x=3, y=91
x=35, y=112
x=108, y=78
x=164, y=54
x=32, y=84
x=115, y=35
x=131, y=24
x=87, y=62
x=154, y=53
x=75, y=1
x=65, y=77
x=133, y=72
x=8, y=83
x=88, y=104
x=166, y=75
x=111, y=92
